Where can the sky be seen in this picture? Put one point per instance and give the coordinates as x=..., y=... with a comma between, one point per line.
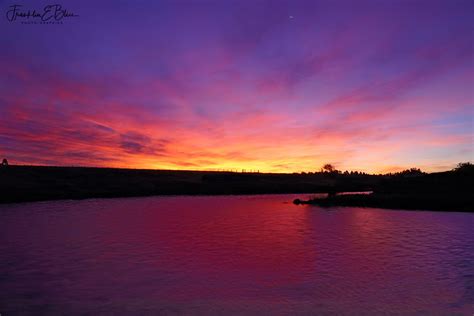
x=274, y=86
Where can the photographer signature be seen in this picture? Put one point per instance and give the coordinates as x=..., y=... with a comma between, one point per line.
x=52, y=12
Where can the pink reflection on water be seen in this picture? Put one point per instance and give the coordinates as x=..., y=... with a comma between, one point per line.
x=232, y=255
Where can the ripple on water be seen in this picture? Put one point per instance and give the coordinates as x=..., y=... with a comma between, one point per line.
x=232, y=254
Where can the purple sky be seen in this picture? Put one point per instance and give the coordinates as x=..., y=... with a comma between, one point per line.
x=270, y=85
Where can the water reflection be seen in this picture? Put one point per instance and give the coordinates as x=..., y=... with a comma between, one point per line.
x=232, y=254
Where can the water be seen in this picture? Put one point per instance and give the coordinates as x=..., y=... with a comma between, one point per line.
x=232, y=255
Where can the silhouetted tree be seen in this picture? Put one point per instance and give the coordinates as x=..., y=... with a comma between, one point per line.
x=464, y=166
x=410, y=172
x=5, y=162
x=328, y=168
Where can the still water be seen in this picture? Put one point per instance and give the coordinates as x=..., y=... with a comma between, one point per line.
x=232, y=255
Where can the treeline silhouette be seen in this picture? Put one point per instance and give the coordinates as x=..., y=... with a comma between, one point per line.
x=414, y=189
x=35, y=183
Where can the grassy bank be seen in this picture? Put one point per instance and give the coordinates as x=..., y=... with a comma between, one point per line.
x=443, y=191
x=36, y=183
x=394, y=201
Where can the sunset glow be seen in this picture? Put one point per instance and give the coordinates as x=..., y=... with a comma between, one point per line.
x=271, y=86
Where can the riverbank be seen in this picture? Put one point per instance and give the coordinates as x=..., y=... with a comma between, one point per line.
x=442, y=191
x=457, y=203
x=40, y=183
x=451, y=190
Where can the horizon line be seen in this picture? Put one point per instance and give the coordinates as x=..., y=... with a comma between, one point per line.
x=250, y=171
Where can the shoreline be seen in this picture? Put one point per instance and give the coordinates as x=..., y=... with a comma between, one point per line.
x=41, y=183
x=362, y=200
x=159, y=195
x=399, y=202
x=442, y=191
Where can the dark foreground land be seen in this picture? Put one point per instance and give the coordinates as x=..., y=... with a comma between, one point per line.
x=450, y=191
x=33, y=183
x=442, y=191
